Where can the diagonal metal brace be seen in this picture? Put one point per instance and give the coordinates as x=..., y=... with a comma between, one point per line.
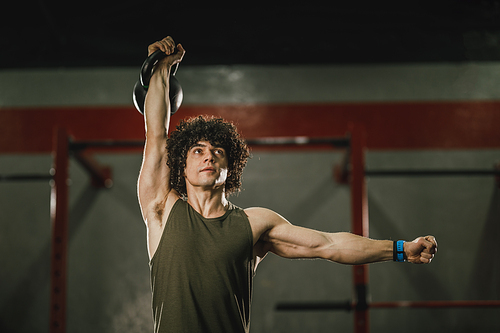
x=101, y=175
x=341, y=171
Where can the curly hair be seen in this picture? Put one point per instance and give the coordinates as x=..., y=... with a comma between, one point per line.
x=219, y=133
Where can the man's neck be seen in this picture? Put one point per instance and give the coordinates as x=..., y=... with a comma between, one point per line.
x=209, y=204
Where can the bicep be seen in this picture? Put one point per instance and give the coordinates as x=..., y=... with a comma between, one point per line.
x=154, y=177
x=290, y=241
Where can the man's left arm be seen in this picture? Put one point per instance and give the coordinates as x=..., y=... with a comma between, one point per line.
x=289, y=241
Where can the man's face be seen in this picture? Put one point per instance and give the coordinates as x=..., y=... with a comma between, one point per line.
x=206, y=166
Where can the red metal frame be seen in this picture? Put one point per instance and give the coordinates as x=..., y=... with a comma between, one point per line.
x=360, y=226
x=59, y=217
x=446, y=125
x=359, y=211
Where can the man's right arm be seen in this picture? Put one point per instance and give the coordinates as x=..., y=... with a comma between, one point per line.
x=154, y=178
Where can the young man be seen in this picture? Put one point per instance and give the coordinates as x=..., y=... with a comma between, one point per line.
x=203, y=250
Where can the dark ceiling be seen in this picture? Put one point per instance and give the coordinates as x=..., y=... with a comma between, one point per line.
x=111, y=33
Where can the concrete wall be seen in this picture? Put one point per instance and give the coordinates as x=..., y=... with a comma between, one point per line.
x=108, y=281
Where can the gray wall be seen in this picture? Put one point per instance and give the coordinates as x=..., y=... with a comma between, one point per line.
x=108, y=279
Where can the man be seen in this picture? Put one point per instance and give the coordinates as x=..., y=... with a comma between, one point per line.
x=204, y=250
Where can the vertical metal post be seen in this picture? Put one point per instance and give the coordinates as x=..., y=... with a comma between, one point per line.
x=59, y=221
x=359, y=211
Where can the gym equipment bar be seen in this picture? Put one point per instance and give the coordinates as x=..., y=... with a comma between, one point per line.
x=370, y=173
x=348, y=305
x=25, y=177
x=299, y=141
x=437, y=304
x=269, y=141
x=426, y=173
x=82, y=145
x=315, y=306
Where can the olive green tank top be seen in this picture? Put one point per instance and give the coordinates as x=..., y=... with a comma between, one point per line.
x=201, y=272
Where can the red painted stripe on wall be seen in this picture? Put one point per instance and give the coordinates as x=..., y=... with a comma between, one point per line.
x=405, y=125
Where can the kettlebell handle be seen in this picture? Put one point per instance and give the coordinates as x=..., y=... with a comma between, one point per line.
x=149, y=63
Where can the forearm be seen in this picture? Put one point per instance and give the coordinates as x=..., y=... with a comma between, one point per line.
x=157, y=105
x=351, y=249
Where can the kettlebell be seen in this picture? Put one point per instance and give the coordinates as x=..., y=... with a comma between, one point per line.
x=141, y=86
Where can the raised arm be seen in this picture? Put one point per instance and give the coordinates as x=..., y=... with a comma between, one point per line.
x=154, y=178
x=289, y=241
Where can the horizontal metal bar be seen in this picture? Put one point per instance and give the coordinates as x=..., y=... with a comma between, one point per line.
x=348, y=306
x=298, y=141
x=270, y=141
x=81, y=145
x=426, y=173
x=315, y=306
x=436, y=304
x=27, y=177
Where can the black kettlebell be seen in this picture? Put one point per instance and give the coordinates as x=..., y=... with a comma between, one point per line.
x=142, y=85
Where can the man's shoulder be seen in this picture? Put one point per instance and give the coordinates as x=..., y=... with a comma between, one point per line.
x=262, y=218
x=261, y=213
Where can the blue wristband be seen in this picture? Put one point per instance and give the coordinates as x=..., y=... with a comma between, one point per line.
x=398, y=251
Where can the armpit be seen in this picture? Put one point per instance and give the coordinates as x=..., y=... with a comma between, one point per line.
x=159, y=210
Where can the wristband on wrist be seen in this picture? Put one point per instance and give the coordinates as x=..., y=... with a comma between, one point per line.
x=398, y=253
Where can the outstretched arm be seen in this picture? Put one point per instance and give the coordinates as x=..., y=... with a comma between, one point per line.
x=154, y=178
x=289, y=241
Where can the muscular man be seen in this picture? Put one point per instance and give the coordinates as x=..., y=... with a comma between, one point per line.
x=203, y=250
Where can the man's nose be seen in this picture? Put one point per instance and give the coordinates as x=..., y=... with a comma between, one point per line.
x=209, y=156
